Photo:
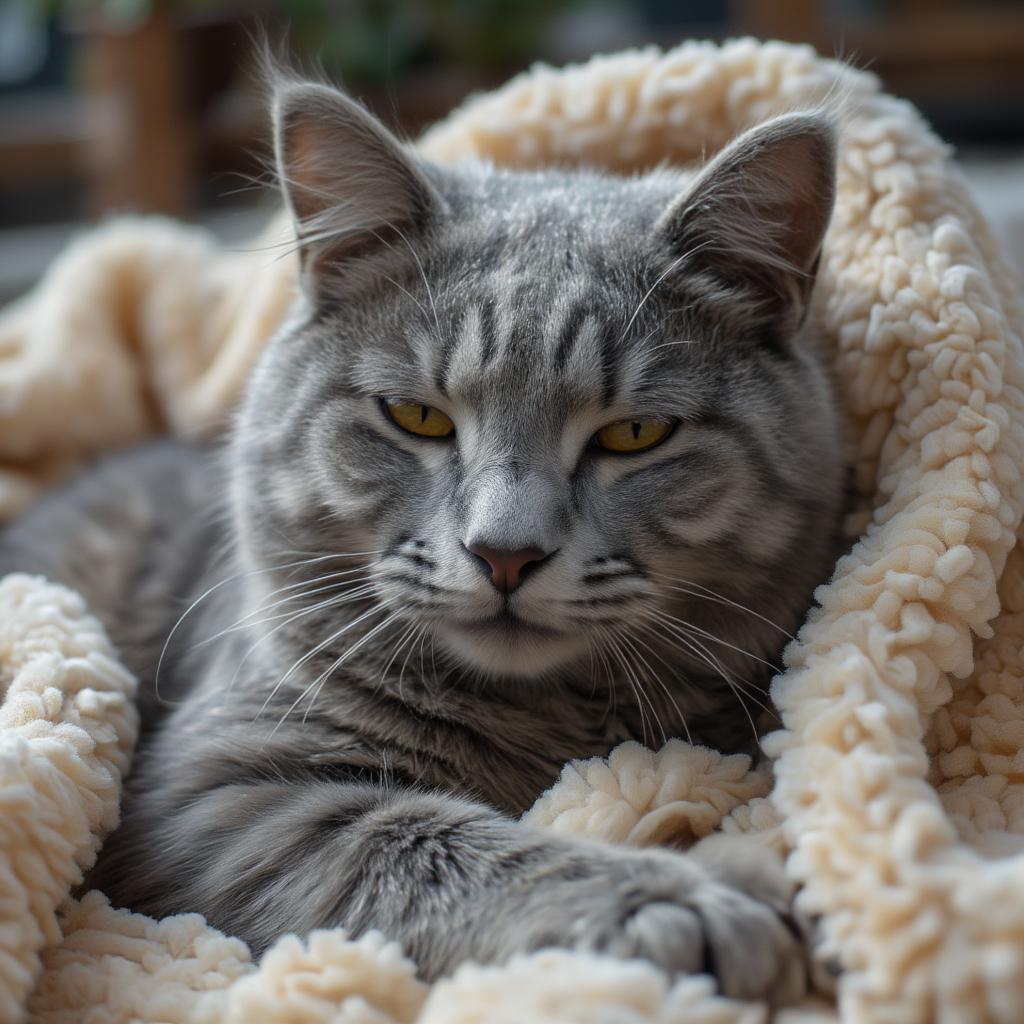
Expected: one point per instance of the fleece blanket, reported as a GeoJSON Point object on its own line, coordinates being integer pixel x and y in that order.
{"type": "Point", "coordinates": [898, 788]}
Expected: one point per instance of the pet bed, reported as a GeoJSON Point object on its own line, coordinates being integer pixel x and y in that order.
{"type": "Point", "coordinates": [899, 774]}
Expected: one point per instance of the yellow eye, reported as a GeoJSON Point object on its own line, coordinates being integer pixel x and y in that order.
{"type": "Point", "coordinates": [423, 420]}
{"type": "Point", "coordinates": [632, 435]}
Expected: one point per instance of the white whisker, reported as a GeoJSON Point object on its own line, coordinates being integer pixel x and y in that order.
{"type": "Point", "coordinates": [664, 686]}
{"type": "Point", "coordinates": [710, 595]}
{"type": "Point", "coordinates": [312, 654]}
{"type": "Point", "coordinates": [362, 587]}
{"type": "Point", "coordinates": [341, 661]}
{"type": "Point", "coordinates": [337, 602]}
{"type": "Point", "coordinates": [661, 277]}
{"type": "Point", "coordinates": [398, 649]}
{"type": "Point", "coordinates": [202, 597]}
{"type": "Point", "coordinates": [412, 646]}
{"type": "Point", "coordinates": [702, 652]}
{"type": "Point", "coordinates": [691, 628]}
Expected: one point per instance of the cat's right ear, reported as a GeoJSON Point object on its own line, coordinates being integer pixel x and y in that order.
{"type": "Point", "coordinates": [352, 188]}
{"type": "Point", "coordinates": [757, 215]}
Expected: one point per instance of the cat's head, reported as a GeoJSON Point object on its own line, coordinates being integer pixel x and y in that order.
{"type": "Point", "coordinates": [567, 413]}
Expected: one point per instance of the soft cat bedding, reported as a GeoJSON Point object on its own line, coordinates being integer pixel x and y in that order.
{"type": "Point", "coordinates": [896, 775]}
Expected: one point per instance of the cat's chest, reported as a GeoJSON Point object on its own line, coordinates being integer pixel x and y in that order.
{"type": "Point", "coordinates": [506, 753]}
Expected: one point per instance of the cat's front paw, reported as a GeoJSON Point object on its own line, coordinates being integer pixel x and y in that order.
{"type": "Point", "coordinates": [724, 913]}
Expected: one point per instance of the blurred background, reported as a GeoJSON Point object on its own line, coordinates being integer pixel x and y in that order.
{"type": "Point", "coordinates": [151, 106]}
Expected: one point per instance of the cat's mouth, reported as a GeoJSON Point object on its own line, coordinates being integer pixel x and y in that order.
{"type": "Point", "coordinates": [509, 622]}
{"type": "Point", "coordinates": [509, 644]}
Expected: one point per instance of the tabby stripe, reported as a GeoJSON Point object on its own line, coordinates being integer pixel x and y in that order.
{"type": "Point", "coordinates": [701, 503]}
{"type": "Point", "coordinates": [488, 336]}
{"type": "Point", "coordinates": [401, 577]}
{"type": "Point", "coordinates": [753, 446]}
{"type": "Point", "coordinates": [420, 560]}
{"type": "Point", "coordinates": [570, 334]}
{"type": "Point", "coordinates": [361, 432]}
{"type": "Point", "coordinates": [593, 602]}
{"type": "Point", "coordinates": [609, 366]}
{"type": "Point", "coordinates": [444, 359]}
{"type": "Point", "coordinates": [601, 577]}
{"type": "Point", "coordinates": [696, 460]}
{"type": "Point", "coordinates": [518, 335]}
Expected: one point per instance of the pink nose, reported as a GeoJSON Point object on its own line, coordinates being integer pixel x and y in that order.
{"type": "Point", "coordinates": [508, 569]}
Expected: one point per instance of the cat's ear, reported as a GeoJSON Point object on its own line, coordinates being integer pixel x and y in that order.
{"type": "Point", "coordinates": [757, 214]}
{"type": "Point", "coordinates": [352, 188]}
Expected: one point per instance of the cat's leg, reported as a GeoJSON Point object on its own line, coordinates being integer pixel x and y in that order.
{"type": "Point", "coordinates": [452, 881]}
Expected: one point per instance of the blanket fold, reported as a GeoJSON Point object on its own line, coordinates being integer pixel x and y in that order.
{"type": "Point", "coordinates": [898, 785]}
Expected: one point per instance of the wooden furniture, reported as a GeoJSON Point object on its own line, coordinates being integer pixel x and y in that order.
{"type": "Point", "coordinates": [139, 150]}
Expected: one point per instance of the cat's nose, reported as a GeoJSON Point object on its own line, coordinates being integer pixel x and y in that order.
{"type": "Point", "coordinates": [508, 569]}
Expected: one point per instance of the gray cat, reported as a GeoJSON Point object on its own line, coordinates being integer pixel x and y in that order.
{"type": "Point", "coordinates": [541, 462]}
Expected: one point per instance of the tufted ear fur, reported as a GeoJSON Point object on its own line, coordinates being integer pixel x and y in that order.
{"type": "Point", "coordinates": [352, 188]}
{"type": "Point", "coordinates": [757, 214]}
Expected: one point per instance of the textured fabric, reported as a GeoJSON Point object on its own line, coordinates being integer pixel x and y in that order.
{"type": "Point", "coordinates": [898, 772]}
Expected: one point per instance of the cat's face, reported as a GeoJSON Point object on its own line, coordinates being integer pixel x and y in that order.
{"type": "Point", "coordinates": [560, 409]}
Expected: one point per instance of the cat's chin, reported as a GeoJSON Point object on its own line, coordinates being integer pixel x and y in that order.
{"type": "Point", "coordinates": [520, 650]}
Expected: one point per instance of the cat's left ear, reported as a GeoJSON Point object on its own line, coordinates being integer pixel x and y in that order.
{"type": "Point", "coordinates": [353, 189]}
{"type": "Point", "coordinates": [757, 214]}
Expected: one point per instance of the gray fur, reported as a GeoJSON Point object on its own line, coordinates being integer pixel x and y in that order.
{"type": "Point", "coordinates": [354, 720]}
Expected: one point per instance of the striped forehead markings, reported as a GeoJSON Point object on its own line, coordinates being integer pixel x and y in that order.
{"type": "Point", "coordinates": [447, 345]}
{"type": "Point", "coordinates": [475, 336]}
{"type": "Point", "coordinates": [569, 335]}
{"type": "Point", "coordinates": [487, 332]}
{"type": "Point", "coordinates": [460, 335]}
{"type": "Point", "coordinates": [609, 348]}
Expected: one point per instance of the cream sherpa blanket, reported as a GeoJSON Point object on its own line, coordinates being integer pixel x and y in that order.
{"type": "Point", "coordinates": [899, 776]}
